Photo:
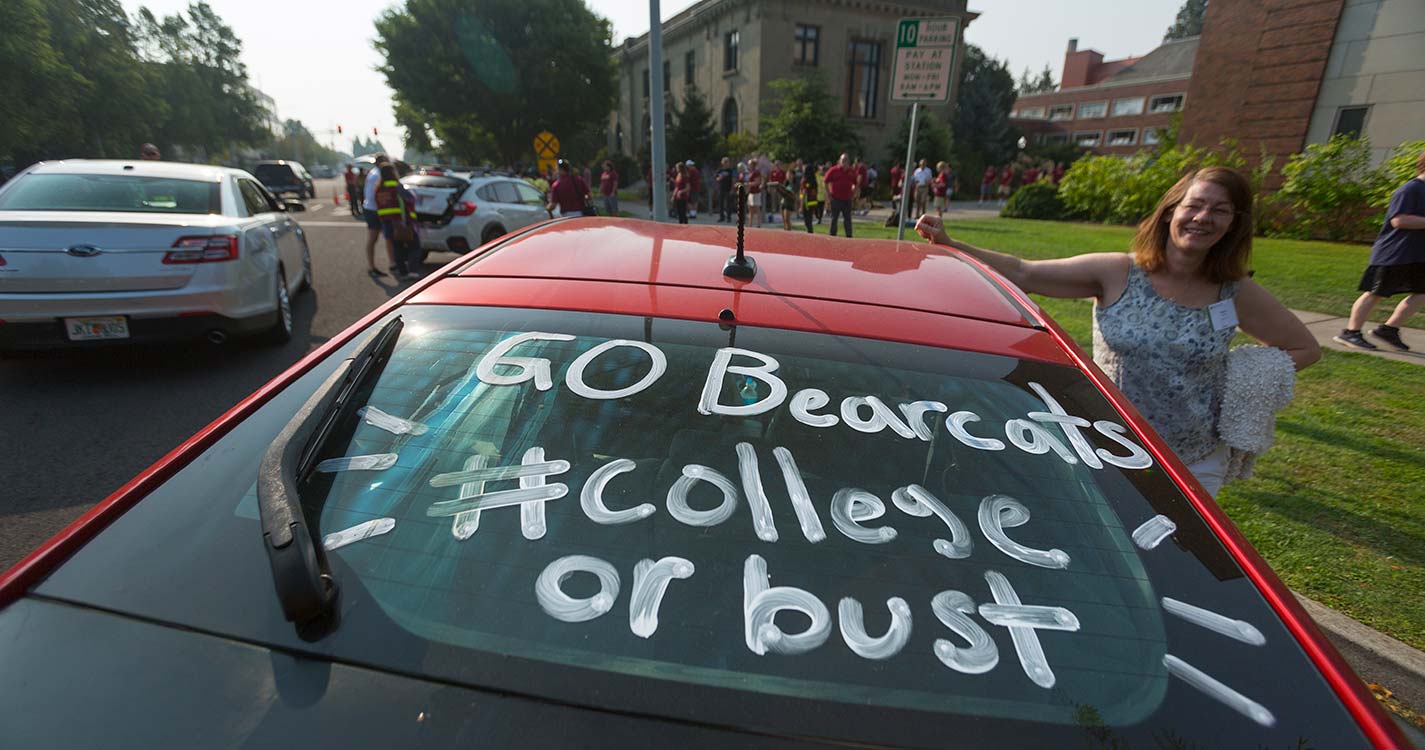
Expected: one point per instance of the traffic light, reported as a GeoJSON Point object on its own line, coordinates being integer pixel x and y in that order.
{"type": "Point", "coordinates": [338, 130]}
{"type": "Point", "coordinates": [373, 131]}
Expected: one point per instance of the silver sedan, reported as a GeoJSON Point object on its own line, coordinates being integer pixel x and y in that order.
{"type": "Point", "coordinates": [110, 251]}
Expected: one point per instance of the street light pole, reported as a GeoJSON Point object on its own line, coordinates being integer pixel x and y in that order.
{"type": "Point", "coordinates": [655, 101]}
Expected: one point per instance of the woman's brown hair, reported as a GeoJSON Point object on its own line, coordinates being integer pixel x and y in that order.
{"type": "Point", "coordinates": [1228, 259]}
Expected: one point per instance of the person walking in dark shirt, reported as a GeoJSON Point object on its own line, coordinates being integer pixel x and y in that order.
{"type": "Point", "coordinates": [724, 178]}
{"type": "Point", "coordinates": [1397, 266]}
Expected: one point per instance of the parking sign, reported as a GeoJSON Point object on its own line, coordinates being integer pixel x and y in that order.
{"type": "Point", "coordinates": [925, 57]}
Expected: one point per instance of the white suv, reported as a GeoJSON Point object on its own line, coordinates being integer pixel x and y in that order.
{"type": "Point", "coordinates": [457, 213]}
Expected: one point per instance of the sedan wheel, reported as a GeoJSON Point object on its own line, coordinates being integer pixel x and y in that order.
{"type": "Point", "coordinates": [281, 330]}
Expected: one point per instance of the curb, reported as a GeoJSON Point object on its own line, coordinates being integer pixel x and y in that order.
{"type": "Point", "coordinates": [1375, 656]}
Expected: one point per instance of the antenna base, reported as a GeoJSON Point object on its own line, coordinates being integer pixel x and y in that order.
{"type": "Point", "coordinates": [740, 268]}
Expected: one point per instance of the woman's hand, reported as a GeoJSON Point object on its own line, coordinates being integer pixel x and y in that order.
{"type": "Point", "coordinates": [932, 228]}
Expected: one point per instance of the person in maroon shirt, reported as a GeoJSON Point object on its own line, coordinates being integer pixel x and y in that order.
{"type": "Point", "coordinates": [608, 188]}
{"type": "Point", "coordinates": [695, 188]}
{"type": "Point", "coordinates": [682, 189]}
{"type": "Point", "coordinates": [781, 198]}
{"type": "Point", "coordinates": [1031, 175]}
{"type": "Point", "coordinates": [896, 177]}
{"type": "Point", "coordinates": [841, 187]}
{"type": "Point", "coordinates": [1058, 173]}
{"type": "Point", "coordinates": [987, 184]}
{"type": "Point", "coordinates": [569, 193]}
{"type": "Point", "coordinates": [863, 196]}
{"type": "Point", "coordinates": [1006, 178]}
{"type": "Point", "coordinates": [754, 197]}
{"type": "Point", "coordinates": [940, 187]}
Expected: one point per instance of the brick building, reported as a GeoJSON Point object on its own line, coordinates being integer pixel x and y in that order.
{"type": "Point", "coordinates": [1281, 74]}
{"type": "Point", "coordinates": [730, 50]}
{"type": "Point", "coordinates": [1110, 106]}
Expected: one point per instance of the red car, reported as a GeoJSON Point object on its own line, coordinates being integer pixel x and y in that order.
{"type": "Point", "coordinates": [583, 488]}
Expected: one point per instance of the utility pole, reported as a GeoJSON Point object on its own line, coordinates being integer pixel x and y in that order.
{"type": "Point", "coordinates": [655, 101]}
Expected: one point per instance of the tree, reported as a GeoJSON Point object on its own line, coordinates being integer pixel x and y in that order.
{"type": "Point", "coordinates": [983, 134]}
{"type": "Point", "coordinates": [1042, 84]}
{"type": "Point", "coordinates": [1189, 20]}
{"type": "Point", "coordinates": [806, 123]}
{"type": "Point", "coordinates": [932, 140]}
{"type": "Point", "coordinates": [693, 135]}
{"type": "Point", "coordinates": [493, 74]}
{"type": "Point", "coordinates": [297, 142]}
{"type": "Point", "coordinates": [196, 69]}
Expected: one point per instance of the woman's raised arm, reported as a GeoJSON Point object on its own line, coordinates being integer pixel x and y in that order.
{"type": "Point", "coordinates": [1088, 275]}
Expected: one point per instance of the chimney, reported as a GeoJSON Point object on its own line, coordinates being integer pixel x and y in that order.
{"type": "Point", "coordinates": [1073, 45]}
{"type": "Point", "coordinates": [1079, 65]}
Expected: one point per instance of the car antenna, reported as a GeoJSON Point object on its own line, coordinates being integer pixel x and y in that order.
{"type": "Point", "coordinates": [740, 266]}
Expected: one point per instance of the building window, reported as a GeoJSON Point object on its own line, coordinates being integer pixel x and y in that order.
{"type": "Point", "coordinates": [729, 116]}
{"type": "Point", "coordinates": [1350, 121]}
{"type": "Point", "coordinates": [1030, 113]}
{"type": "Point", "coordinates": [1087, 139]}
{"type": "Point", "coordinates": [645, 83]}
{"type": "Point", "coordinates": [1052, 138]}
{"type": "Point", "coordinates": [863, 82]}
{"type": "Point", "coordinates": [1092, 110]}
{"type": "Point", "coordinates": [1061, 112]}
{"type": "Point", "coordinates": [1151, 136]}
{"type": "Point", "coordinates": [1125, 107]}
{"type": "Point", "coordinates": [688, 68]}
{"type": "Point", "coordinates": [1122, 137]}
{"type": "Point", "coordinates": [806, 46]}
{"type": "Point", "coordinates": [1165, 103]}
{"type": "Point", "coordinates": [729, 50]}
{"type": "Point", "coordinates": [667, 74]}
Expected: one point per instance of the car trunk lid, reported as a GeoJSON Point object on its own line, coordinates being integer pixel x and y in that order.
{"type": "Point", "coordinates": [50, 252]}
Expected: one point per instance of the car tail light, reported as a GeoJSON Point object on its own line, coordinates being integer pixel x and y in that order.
{"type": "Point", "coordinates": [2, 260]}
{"type": "Point", "coordinates": [463, 208]}
{"type": "Point", "coordinates": [205, 249]}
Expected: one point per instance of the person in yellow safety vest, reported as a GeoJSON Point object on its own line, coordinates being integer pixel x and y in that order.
{"type": "Point", "coordinates": [396, 209]}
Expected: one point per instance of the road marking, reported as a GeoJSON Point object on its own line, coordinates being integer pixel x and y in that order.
{"type": "Point", "coordinates": [317, 207]}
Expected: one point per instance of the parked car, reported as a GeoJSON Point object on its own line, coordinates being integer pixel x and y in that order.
{"type": "Point", "coordinates": [283, 177]}
{"type": "Point", "coordinates": [98, 252]}
{"type": "Point", "coordinates": [585, 487]}
{"type": "Point", "coordinates": [461, 212]}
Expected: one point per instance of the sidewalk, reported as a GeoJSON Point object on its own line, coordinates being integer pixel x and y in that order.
{"type": "Point", "coordinates": [1324, 326]}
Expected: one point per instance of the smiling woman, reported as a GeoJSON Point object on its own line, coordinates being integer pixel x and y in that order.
{"type": "Point", "coordinates": [1165, 313]}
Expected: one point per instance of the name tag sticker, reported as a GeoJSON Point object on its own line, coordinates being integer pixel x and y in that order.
{"type": "Point", "coordinates": [1223, 314]}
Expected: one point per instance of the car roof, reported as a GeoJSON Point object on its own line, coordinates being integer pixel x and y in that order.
{"type": "Point", "coordinates": [177, 170]}
{"type": "Point", "coordinates": [884, 274]}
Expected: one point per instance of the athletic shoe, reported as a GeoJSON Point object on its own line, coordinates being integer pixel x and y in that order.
{"type": "Point", "coordinates": [1390, 335]}
{"type": "Point", "coordinates": [375, 273]}
{"type": "Point", "coordinates": [1354, 339]}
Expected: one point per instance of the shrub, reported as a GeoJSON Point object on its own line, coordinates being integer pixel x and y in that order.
{"type": "Point", "coordinates": [1037, 201]}
{"type": "Point", "coordinates": [1327, 190]}
{"type": "Point", "coordinates": [1395, 170]}
{"type": "Point", "coordinates": [1125, 191]}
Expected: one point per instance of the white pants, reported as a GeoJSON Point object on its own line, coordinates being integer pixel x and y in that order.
{"type": "Point", "coordinates": [1211, 469]}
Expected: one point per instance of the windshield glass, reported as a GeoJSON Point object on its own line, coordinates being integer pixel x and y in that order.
{"type": "Point", "coordinates": [802, 533]}
{"type": "Point", "coordinates": [111, 192]}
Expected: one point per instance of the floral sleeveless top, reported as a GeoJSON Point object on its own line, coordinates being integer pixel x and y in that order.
{"type": "Point", "coordinates": [1168, 361]}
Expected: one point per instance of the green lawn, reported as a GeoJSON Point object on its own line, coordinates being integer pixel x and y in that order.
{"type": "Point", "coordinates": [1317, 276]}
{"type": "Point", "coordinates": [1337, 506]}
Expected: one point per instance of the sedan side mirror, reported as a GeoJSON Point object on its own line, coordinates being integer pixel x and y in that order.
{"type": "Point", "coordinates": [293, 206]}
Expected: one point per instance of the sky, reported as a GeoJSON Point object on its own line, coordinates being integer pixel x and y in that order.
{"type": "Point", "coordinates": [316, 60]}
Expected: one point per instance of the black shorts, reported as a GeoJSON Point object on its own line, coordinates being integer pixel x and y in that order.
{"type": "Point", "coordinates": [1388, 281]}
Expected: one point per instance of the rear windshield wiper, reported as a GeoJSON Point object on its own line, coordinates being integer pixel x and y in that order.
{"type": "Point", "coordinates": [300, 574]}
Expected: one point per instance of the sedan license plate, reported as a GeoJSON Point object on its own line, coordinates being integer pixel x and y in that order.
{"type": "Point", "coordinates": [90, 329]}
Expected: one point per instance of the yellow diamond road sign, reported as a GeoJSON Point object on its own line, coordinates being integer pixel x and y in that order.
{"type": "Point", "coordinates": [925, 57]}
{"type": "Point", "coordinates": [546, 146]}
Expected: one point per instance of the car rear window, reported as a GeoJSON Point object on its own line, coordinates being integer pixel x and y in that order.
{"type": "Point", "coordinates": [798, 533]}
{"type": "Point", "coordinates": [433, 181]}
{"type": "Point", "coordinates": [111, 192]}
{"type": "Point", "coordinates": [275, 174]}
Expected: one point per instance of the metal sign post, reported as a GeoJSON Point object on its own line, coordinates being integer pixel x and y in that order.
{"type": "Point", "coordinates": [657, 171]}
{"type": "Point", "coordinates": [925, 60]}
